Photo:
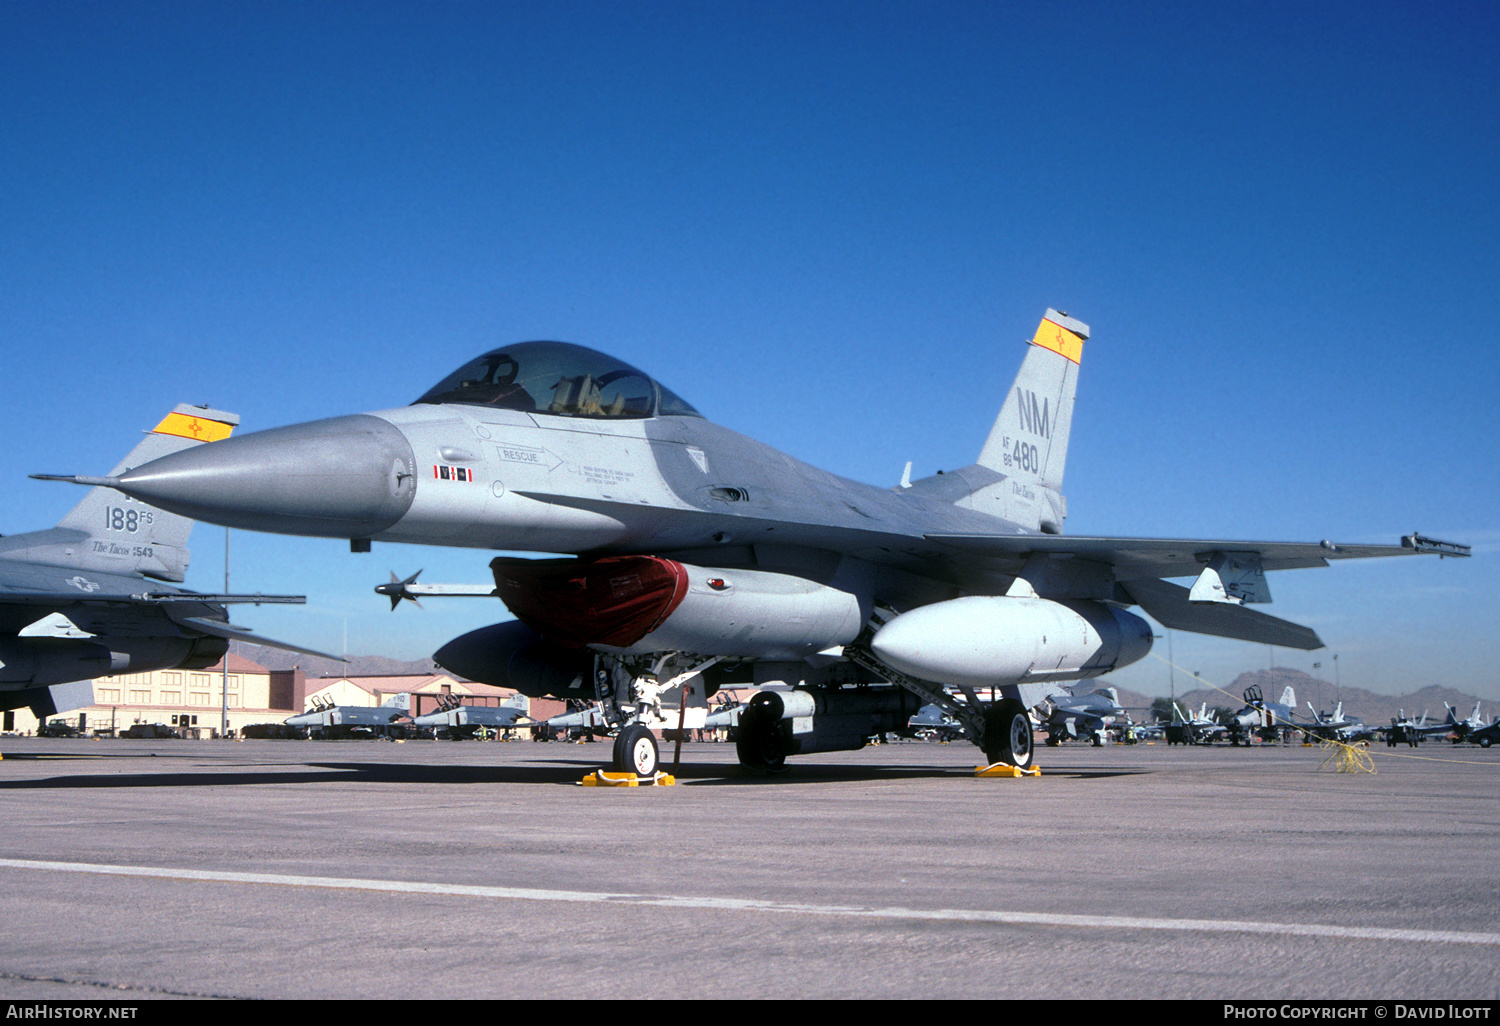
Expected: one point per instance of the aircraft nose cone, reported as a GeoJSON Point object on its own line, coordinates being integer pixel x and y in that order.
{"type": "Point", "coordinates": [347, 477]}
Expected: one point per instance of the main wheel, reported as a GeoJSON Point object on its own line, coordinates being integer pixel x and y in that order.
{"type": "Point", "coordinates": [1007, 734]}
{"type": "Point", "coordinates": [636, 752]}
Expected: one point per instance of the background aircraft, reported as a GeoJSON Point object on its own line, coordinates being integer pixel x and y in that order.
{"type": "Point", "coordinates": [932, 721]}
{"type": "Point", "coordinates": [1337, 726]}
{"type": "Point", "coordinates": [330, 720]}
{"type": "Point", "coordinates": [461, 720]}
{"type": "Point", "coordinates": [702, 558]}
{"type": "Point", "coordinates": [1268, 720]}
{"type": "Point", "coordinates": [1463, 728]}
{"type": "Point", "coordinates": [1194, 730]}
{"type": "Point", "coordinates": [85, 599]}
{"type": "Point", "coordinates": [1414, 732]}
{"type": "Point", "coordinates": [1087, 715]}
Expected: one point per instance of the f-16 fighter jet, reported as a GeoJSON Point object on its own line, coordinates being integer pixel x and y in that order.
{"type": "Point", "coordinates": [85, 599]}
{"type": "Point", "coordinates": [1088, 715]}
{"type": "Point", "coordinates": [701, 558]}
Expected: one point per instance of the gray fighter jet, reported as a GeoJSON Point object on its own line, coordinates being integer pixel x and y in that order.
{"type": "Point", "coordinates": [1199, 729]}
{"type": "Point", "coordinates": [701, 558]}
{"type": "Point", "coordinates": [328, 719]}
{"type": "Point", "coordinates": [1085, 715]}
{"type": "Point", "coordinates": [1336, 726]}
{"type": "Point", "coordinates": [85, 599]}
{"type": "Point", "coordinates": [460, 721]}
{"type": "Point", "coordinates": [1463, 728]}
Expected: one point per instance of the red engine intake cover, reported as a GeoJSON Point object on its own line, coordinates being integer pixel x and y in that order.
{"type": "Point", "coordinates": [613, 601]}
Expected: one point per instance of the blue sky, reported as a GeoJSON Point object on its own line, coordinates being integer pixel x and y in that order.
{"type": "Point", "coordinates": [827, 225]}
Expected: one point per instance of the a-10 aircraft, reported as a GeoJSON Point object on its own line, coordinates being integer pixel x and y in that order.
{"type": "Point", "coordinates": [700, 558]}
{"type": "Point", "coordinates": [89, 597]}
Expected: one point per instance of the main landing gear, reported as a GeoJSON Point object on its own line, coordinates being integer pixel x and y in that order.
{"type": "Point", "coordinates": [1007, 734]}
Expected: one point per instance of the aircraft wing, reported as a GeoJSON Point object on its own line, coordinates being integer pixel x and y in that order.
{"type": "Point", "coordinates": [1141, 558]}
{"type": "Point", "coordinates": [149, 598]}
{"type": "Point", "coordinates": [228, 631]}
{"type": "Point", "coordinates": [1140, 564]}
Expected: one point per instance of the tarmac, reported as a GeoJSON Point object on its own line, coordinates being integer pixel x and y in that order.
{"type": "Point", "coordinates": [139, 870]}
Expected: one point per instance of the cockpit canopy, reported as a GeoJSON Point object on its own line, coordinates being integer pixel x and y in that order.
{"type": "Point", "coordinates": [560, 379]}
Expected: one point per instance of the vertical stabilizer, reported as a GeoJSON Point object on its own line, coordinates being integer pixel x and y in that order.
{"type": "Point", "coordinates": [1029, 442]}
{"type": "Point", "coordinates": [128, 536]}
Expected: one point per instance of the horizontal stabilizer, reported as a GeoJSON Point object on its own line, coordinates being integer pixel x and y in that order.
{"type": "Point", "coordinates": [220, 629]}
{"type": "Point", "coordinates": [1168, 604]}
{"type": "Point", "coordinates": [51, 701]}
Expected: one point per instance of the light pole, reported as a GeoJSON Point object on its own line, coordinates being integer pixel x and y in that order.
{"type": "Point", "coordinates": [1171, 668]}
{"type": "Point", "coordinates": [224, 690]}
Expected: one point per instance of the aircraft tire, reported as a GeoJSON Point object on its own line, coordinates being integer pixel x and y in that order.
{"type": "Point", "coordinates": [636, 751]}
{"type": "Point", "coordinates": [1007, 734]}
{"type": "Point", "coordinates": [758, 741]}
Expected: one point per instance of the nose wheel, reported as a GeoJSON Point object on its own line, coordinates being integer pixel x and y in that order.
{"type": "Point", "coordinates": [636, 751]}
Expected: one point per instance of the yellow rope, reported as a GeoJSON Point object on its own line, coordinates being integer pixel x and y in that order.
{"type": "Point", "coordinates": [1343, 758]}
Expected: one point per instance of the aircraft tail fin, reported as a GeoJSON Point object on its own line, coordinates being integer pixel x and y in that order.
{"type": "Point", "coordinates": [1029, 441]}
{"type": "Point", "coordinates": [1030, 438]}
{"type": "Point", "coordinates": [126, 535]}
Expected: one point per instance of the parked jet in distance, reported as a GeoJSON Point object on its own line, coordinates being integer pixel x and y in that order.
{"type": "Point", "coordinates": [1463, 728]}
{"type": "Point", "coordinates": [1200, 729]}
{"type": "Point", "coordinates": [701, 558]}
{"type": "Point", "coordinates": [1267, 720]}
{"type": "Point", "coordinates": [1337, 727]}
{"type": "Point", "coordinates": [328, 719]}
{"type": "Point", "coordinates": [1087, 715]}
{"type": "Point", "coordinates": [935, 723]}
{"type": "Point", "coordinates": [85, 599]}
{"type": "Point", "coordinates": [1414, 732]}
{"type": "Point", "coordinates": [461, 720]}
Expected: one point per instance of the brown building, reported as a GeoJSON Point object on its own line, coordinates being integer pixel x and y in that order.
{"type": "Point", "coordinates": [193, 700]}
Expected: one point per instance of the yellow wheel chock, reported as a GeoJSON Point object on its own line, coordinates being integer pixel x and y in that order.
{"type": "Point", "coordinates": [604, 778]}
{"type": "Point", "coordinates": [1005, 769]}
